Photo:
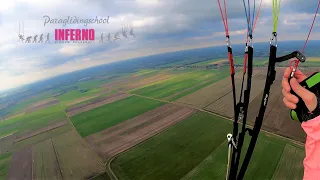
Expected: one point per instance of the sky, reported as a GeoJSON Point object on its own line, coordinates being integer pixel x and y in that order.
{"type": "Point", "coordinates": [159, 26]}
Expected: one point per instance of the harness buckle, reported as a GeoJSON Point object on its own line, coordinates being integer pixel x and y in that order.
{"type": "Point", "coordinates": [274, 39]}
{"type": "Point", "coordinates": [231, 141]}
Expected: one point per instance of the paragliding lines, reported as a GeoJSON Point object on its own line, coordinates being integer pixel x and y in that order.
{"type": "Point", "coordinates": [242, 106]}
{"type": "Point", "coordinates": [294, 63]}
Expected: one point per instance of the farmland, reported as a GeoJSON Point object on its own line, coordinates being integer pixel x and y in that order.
{"type": "Point", "coordinates": [62, 157]}
{"type": "Point", "coordinates": [187, 143]}
{"type": "Point", "coordinates": [238, 60]}
{"type": "Point", "coordinates": [5, 160]}
{"type": "Point", "coordinates": [123, 136]}
{"type": "Point", "coordinates": [216, 92]}
{"type": "Point", "coordinates": [76, 160]}
{"type": "Point", "coordinates": [32, 121]}
{"type": "Point", "coordinates": [96, 102]}
{"type": "Point", "coordinates": [192, 157]}
{"type": "Point", "coordinates": [223, 104]}
{"type": "Point", "coordinates": [189, 81]}
{"type": "Point", "coordinates": [109, 115]}
{"type": "Point", "coordinates": [150, 120]}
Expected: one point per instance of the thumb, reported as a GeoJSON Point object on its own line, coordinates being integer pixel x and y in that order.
{"type": "Point", "coordinates": [308, 97]}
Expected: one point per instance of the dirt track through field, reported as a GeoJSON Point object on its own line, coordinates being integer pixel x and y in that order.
{"type": "Point", "coordinates": [96, 103]}
{"type": "Point", "coordinates": [42, 130]}
{"type": "Point", "coordinates": [21, 165]}
{"type": "Point", "coordinates": [131, 132]}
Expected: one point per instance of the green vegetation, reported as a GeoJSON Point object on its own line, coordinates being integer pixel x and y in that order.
{"type": "Point", "coordinates": [76, 94]}
{"type": "Point", "coordinates": [100, 118]}
{"type": "Point", "coordinates": [175, 152]}
{"type": "Point", "coordinates": [238, 60]}
{"type": "Point", "coordinates": [291, 163]}
{"type": "Point", "coordinates": [5, 160]}
{"type": "Point", "coordinates": [196, 148]}
{"type": "Point", "coordinates": [264, 161]}
{"type": "Point", "coordinates": [92, 84]}
{"type": "Point", "coordinates": [32, 121]}
{"type": "Point", "coordinates": [91, 99]}
{"type": "Point", "coordinates": [218, 76]}
{"type": "Point", "coordinates": [181, 80]}
{"type": "Point", "coordinates": [20, 107]}
{"type": "Point", "coordinates": [146, 72]}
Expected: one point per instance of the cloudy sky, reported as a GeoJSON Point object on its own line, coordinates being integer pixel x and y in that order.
{"type": "Point", "coordinates": [159, 26]}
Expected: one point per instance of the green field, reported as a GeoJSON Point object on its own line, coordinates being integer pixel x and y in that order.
{"type": "Point", "coordinates": [238, 60]}
{"type": "Point", "coordinates": [5, 160]}
{"type": "Point", "coordinates": [29, 122]}
{"type": "Point", "coordinates": [100, 118]}
{"type": "Point", "coordinates": [76, 94]}
{"type": "Point", "coordinates": [187, 80]}
{"type": "Point", "coordinates": [20, 107]}
{"type": "Point", "coordinates": [90, 99]}
{"type": "Point", "coordinates": [196, 149]}
{"type": "Point", "coordinates": [174, 153]}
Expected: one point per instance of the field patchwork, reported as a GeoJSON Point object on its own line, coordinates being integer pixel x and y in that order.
{"type": "Point", "coordinates": [181, 84]}
{"type": "Point", "coordinates": [108, 115]}
{"type": "Point", "coordinates": [196, 148]}
{"type": "Point", "coordinates": [222, 105]}
{"type": "Point", "coordinates": [65, 156]}
{"type": "Point", "coordinates": [276, 118]}
{"type": "Point", "coordinates": [173, 153]}
{"type": "Point", "coordinates": [42, 104]}
{"type": "Point", "coordinates": [77, 109]}
{"type": "Point", "coordinates": [125, 135]}
{"type": "Point", "coordinates": [76, 160]}
{"type": "Point", "coordinates": [21, 164]}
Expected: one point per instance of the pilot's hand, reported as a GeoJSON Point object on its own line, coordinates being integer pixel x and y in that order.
{"type": "Point", "coordinates": [291, 100]}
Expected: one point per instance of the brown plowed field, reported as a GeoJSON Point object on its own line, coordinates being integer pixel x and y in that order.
{"type": "Point", "coordinates": [224, 105]}
{"type": "Point", "coordinates": [213, 92]}
{"type": "Point", "coordinates": [96, 103]}
{"type": "Point", "coordinates": [21, 165]}
{"type": "Point", "coordinates": [45, 163]}
{"type": "Point", "coordinates": [41, 105]}
{"type": "Point", "coordinates": [42, 130]}
{"type": "Point", "coordinates": [123, 136]}
{"type": "Point", "coordinates": [76, 160]}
